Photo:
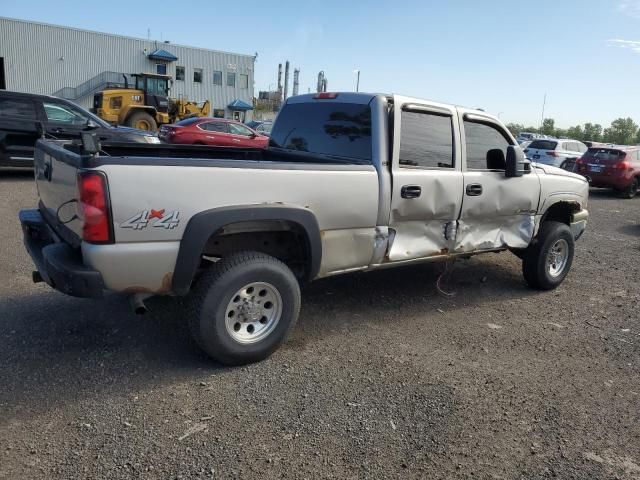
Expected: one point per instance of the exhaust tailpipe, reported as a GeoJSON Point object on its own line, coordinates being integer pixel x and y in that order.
{"type": "Point", "coordinates": [137, 303]}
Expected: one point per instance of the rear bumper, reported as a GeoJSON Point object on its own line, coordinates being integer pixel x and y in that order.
{"type": "Point", "coordinates": [579, 223]}
{"type": "Point", "coordinates": [57, 263]}
{"type": "Point", "coordinates": [20, 162]}
{"type": "Point", "coordinates": [618, 183]}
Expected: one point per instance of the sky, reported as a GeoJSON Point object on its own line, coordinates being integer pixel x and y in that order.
{"type": "Point", "coordinates": [502, 56]}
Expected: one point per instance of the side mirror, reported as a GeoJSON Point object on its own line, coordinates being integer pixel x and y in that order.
{"type": "Point", "coordinates": [253, 135]}
{"type": "Point", "coordinates": [91, 125]}
{"type": "Point", "coordinates": [90, 143]}
{"type": "Point", "coordinates": [516, 163]}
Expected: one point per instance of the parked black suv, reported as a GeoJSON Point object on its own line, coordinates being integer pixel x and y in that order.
{"type": "Point", "coordinates": [61, 119]}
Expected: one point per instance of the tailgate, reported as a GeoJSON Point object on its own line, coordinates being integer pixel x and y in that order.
{"type": "Point", "coordinates": [56, 170]}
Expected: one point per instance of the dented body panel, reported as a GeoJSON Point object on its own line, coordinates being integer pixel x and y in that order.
{"type": "Point", "coordinates": [363, 215]}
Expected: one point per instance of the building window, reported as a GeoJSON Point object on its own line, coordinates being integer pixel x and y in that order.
{"type": "Point", "coordinates": [218, 112]}
{"type": "Point", "coordinates": [180, 73]}
{"type": "Point", "coordinates": [244, 81]}
{"type": "Point", "coordinates": [197, 75]}
{"type": "Point", "coordinates": [161, 68]}
{"type": "Point", "coordinates": [217, 77]}
{"type": "Point", "coordinates": [231, 79]}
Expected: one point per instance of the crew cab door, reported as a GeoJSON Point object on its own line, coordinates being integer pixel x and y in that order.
{"type": "Point", "coordinates": [497, 211]}
{"type": "Point", "coordinates": [427, 179]}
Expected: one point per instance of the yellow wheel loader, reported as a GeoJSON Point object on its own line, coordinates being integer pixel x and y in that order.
{"type": "Point", "coordinates": [146, 105]}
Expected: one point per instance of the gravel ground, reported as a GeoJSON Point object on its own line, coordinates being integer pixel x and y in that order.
{"type": "Point", "coordinates": [382, 378]}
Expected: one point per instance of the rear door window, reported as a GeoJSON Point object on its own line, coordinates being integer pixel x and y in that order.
{"type": "Point", "coordinates": [331, 129]}
{"type": "Point", "coordinates": [17, 107]}
{"type": "Point", "coordinates": [426, 140]}
{"type": "Point", "coordinates": [220, 127]}
{"type": "Point", "coordinates": [482, 140]}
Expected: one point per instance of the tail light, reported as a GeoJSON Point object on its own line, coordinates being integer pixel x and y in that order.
{"type": "Point", "coordinates": [95, 207]}
{"type": "Point", "coordinates": [552, 153]}
{"type": "Point", "coordinates": [624, 165]}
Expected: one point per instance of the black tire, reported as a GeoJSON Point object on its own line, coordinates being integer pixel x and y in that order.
{"type": "Point", "coordinates": [137, 118]}
{"type": "Point", "coordinates": [631, 190]}
{"type": "Point", "coordinates": [213, 293]}
{"type": "Point", "coordinates": [535, 269]}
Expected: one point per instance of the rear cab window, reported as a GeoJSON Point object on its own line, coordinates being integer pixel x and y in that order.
{"type": "Point", "coordinates": [606, 154]}
{"type": "Point", "coordinates": [543, 145]}
{"type": "Point", "coordinates": [188, 121]}
{"type": "Point", "coordinates": [321, 132]}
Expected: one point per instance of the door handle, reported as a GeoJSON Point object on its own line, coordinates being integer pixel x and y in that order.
{"type": "Point", "coordinates": [411, 191]}
{"type": "Point", "coordinates": [474, 189]}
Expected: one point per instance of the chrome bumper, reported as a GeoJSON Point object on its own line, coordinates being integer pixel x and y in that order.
{"type": "Point", "coordinates": [579, 223]}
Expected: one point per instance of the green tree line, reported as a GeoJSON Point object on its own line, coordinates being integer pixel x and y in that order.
{"type": "Point", "coordinates": [622, 131]}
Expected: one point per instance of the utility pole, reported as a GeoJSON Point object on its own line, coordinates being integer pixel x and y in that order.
{"type": "Point", "coordinates": [358, 80]}
{"type": "Point", "coordinates": [544, 104]}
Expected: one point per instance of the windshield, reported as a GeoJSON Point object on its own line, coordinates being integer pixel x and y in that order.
{"type": "Point", "coordinates": [332, 129]}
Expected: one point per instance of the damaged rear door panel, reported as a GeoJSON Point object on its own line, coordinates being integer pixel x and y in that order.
{"type": "Point", "coordinates": [427, 180]}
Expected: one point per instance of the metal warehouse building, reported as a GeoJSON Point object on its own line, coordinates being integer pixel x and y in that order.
{"type": "Point", "coordinates": [75, 64]}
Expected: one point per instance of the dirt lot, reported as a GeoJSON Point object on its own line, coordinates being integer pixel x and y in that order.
{"type": "Point", "coordinates": [383, 377]}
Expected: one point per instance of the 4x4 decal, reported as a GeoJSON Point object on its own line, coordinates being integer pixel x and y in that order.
{"type": "Point", "coordinates": [141, 220]}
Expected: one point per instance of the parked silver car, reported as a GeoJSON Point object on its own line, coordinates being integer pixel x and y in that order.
{"type": "Point", "coordinates": [555, 152]}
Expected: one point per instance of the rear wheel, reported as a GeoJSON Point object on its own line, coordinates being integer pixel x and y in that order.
{"type": "Point", "coordinates": [547, 261]}
{"type": "Point", "coordinates": [631, 190]}
{"type": "Point", "coordinates": [142, 121]}
{"type": "Point", "coordinates": [243, 307]}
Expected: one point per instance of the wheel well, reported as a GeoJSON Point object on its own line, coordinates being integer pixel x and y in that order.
{"type": "Point", "coordinates": [561, 212]}
{"type": "Point", "coordinates": [287, 241]}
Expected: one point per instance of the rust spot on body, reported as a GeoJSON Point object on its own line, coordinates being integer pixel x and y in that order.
{"type": "Point", "coordinates": [164, 288]}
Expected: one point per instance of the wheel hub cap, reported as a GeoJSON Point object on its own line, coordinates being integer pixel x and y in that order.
{"type": "Point", "coordinates": [253, 312]}
{"type": "Point", "coordinates": [557, 257]}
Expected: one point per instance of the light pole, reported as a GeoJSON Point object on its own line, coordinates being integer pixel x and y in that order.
{"type": "Point", "coordinates": [357, 80]}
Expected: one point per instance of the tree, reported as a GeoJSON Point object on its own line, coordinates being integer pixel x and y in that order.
{"type": "Point", "coordinates": [576, 133]}
{"type": "Point", "coordinates": [593, 132]}
{"type": "Point", "coordinates": [549, 126]}
{"type": "Point", "coordinates": [515, 128]}
{"type": "Point", "coordinates": [560, 133]}
{"type": "Point", "coordinates": [623, 131]}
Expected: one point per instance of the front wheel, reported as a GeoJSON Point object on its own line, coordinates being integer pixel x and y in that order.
{"type": "Point", "coordinates": [548, 259]}
{"type": "Point", "coordinates": [142, 121]}
{"type": "Point", "coordinates": [243, 307]}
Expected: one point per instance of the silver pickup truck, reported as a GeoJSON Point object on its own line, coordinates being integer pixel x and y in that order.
{"type": "Point", "coordinates": [350, 182]}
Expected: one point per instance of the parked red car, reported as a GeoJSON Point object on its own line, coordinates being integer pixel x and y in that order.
{"type": "Point", "coordinates": [212, 131]}
{"type": "Point", "coordinates": [616, 167]}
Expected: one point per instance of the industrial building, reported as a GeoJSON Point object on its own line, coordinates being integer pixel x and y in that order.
{"type": "Point", "coordinates": [74, 64]}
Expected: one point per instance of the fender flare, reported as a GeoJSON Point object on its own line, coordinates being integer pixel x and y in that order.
{"type": "Point", "coordinates": [204, 224]}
